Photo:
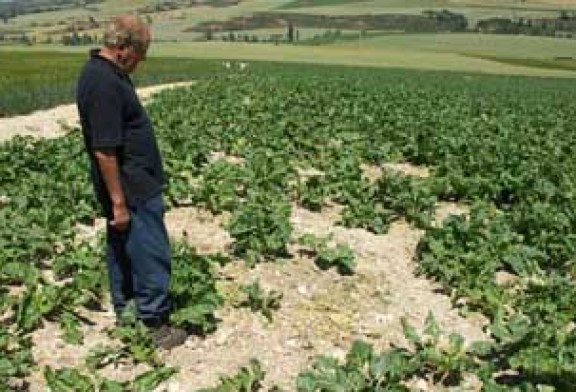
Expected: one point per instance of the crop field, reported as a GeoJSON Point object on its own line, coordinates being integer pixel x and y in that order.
{"type": "Point", "coordinates": [167, 25]}
{"type": "Point", "coordinates": [355, 54]}
{"type": "Point", "coordinates": [33, 78]}
{"type": "Point", "coordinates": [251, 149]}
{"type": "Point", "coordinates": [39, 80]}
{"type": "Point", "coordinates": [510, 46]}
{"type": "Point", "coordinates": [171, 25]}
{"type": "Point", "coordinates": [473, 9]}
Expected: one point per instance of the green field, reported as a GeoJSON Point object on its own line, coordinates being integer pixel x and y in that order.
{"type": "Point", "coordinates": [353, 54]}
{"type": "Point", "coordinates": [47, 78]}
{"type": "Point", "coordinates": [458, 52]}
{"type": "Point", "coordinates": [483, 138]}
{"type": "Point", "coordinates": [473, 9]}
{"type": "Point", "coordinates": [490, 117]}
{"type": "Point", "coordinates": [170, 25]}
{"type": "Point", "coordinates": [513, 46]}
{"type": "Point", "coordinates": [167, 25]}
{"type": "Point", "coordinates": [39, 80]}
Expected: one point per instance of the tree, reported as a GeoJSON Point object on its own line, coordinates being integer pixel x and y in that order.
{"type": "Point", "coordinates": [290, 32]}
{"type": "Point", "coordinates": [92, 22]}
{"type": "Point", "coordinates": [86, 39]}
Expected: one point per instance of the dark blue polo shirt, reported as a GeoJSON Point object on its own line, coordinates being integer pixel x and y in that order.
{"type": "Point", "coordinates": [112, 117]}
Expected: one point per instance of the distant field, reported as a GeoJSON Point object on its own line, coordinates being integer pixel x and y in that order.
{"type": "Point", "coordinates": [472, 9]}
{"type": "Point", "coordinates": [565, 64]}
{"type": "Point", "coordinates": [264, 34]}
{"type": "Point", "coordinates": [167, 25]}
{"type": "Point", "coordinates": [170, 25]}
{"type": "Point", "coordinates": [351, 54]}
{"type": "Point", "coordinates": [308, 3]}
{"type": "Point", "coordinates": [382, 5]}
{"type": "Point", "coordinates": [449, 52]}
{"type": "Point", "coordinates": [494, 54]}
{"type": "Point", "coordinates": [512, 46]}
{"type": "Point", "coordinates": [32, 80]}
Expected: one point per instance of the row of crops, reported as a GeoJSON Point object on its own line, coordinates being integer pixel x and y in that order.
{"type": "Point", "coordinates": [505, 146]}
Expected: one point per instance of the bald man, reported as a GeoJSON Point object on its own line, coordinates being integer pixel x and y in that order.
{"type": "Point", "coordinates": [126, 171]}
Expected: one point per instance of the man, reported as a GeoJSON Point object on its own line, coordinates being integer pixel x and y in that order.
{"type": "Point", "coordinates": [126, 171]}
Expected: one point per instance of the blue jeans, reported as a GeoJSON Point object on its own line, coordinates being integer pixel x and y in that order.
{"type": "Point", "coordinates": [139, 262]}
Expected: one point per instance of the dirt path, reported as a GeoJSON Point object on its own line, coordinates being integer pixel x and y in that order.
{"type": "Point", "coordinates": [321, 311]}
{"type": "Point", "coordinates": [52, 123]}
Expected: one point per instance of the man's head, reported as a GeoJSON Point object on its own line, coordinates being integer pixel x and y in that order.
{"type": "Point", "coordinates": [126, 42]}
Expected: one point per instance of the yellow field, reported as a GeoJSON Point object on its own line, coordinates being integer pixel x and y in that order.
{"type": "Point", "coordinates": [169, 25]}
{"type": "Point", "coordinates": [513, 46]}
{"type": "Point", "coordinates": [451, 52]}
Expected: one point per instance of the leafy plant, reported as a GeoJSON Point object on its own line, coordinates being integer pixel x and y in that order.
{"type": "Point", "coordinates": [261, 227]}
{"type": "Point", "coordinates": [72, 380]}
{"type": "Point", "coordinates": [248, 379]}
{"type": "Point", "coordinates": [366, 370]}
{"type": "Point", "coordinates": [16, 360]}
{"type": "Point", "coordinates": [327, 257]}
{"type": "Point", "coordinates": [193, 288]}
{"type": "Point", "coordinates": [221, 186]}
{"type": "Point", "coordinates": [259, 300]}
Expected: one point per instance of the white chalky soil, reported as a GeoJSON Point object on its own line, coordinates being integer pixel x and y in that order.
{"type": "Point", "coordinates": [321, 311]}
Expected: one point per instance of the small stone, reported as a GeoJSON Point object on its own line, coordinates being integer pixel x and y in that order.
{"type": "Point", "coordinates": [293, 343]}
{"type": "Point", "coordinates": [383, 318]}
{"type": "Point", "coordinates": [222, 337]}
{"type": "Point", "coordinates": [174, 386]}
{"type": "Point", "coordinates": [189, 343]}
{"type": "Point", "coordinates": [504, 278]}
{"type": "Point", "coordinates": [303, 290]}
{"type": "Point", "coordinates": [421, 386]}
{"type": "Point", "coordinates": [338, 353]}
{"type": "Point", "coordinates": [307, 345]}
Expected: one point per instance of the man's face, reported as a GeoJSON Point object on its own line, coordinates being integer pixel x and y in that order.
{"type": "Point", "coordinates": [132, 55]}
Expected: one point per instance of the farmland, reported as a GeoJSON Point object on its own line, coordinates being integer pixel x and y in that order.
{"type": "Point", "coordinates": [252, 149]}
{"type": "Point", "coordinates": [48, 74]}
{"type": "Point", "coordinates": [176, 34]}
{"type": "Point", "coordinates": [39, 80]}
{"type": "Point", "coordinates": [389, 213]}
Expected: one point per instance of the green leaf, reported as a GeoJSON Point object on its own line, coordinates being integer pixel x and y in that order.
{"type": "Point", "coordinates": [149, 380]}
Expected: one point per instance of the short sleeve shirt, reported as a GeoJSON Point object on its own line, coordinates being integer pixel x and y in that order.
{"type": "Point", "coordinates": [113, 118]}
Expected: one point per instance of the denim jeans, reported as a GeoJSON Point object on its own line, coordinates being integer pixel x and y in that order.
{"type": "Point", "coordinates": [138, 262]}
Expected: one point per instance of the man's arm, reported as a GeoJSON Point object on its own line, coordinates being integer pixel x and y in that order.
{"type": "Point", "coordinates": [108, 164]}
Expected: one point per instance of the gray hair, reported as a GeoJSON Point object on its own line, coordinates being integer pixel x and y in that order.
{"type": "Point", "coordinates": [126, 31]}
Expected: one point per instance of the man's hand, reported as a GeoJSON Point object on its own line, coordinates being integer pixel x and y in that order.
{"type": "Point", "coordinates": [108, 164]}
{"type": "Point", "coordinates": [121, 219]}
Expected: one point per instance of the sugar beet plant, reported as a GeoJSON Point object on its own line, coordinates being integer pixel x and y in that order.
{"type": "Point", "coordinates": [48, 273]}
{"type": "Point", "coordinates": [504, 145]}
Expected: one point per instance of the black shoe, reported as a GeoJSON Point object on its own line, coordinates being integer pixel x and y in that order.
{"type": "Point", "coordinates": [167, 337]}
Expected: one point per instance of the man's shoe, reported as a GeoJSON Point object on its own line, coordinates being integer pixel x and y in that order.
{"type": "Point", "coordinates": [168, 337]}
